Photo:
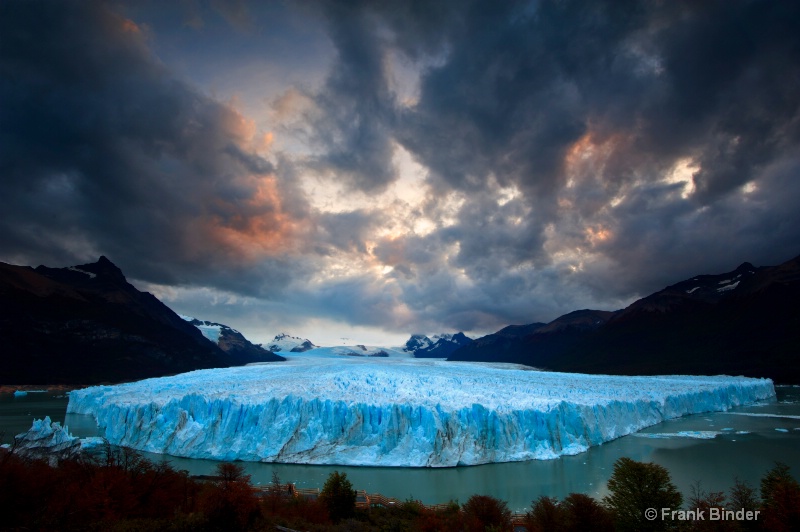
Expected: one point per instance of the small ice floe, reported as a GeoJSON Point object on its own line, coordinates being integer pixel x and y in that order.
{"type": "Point", "coordinates": [93, 444]}
{"type": "Point", "coordinates": [782, 430]}
{"type": "Point", "coordinates": [697, 434]}
{"type": "Point", "coordinates": [751, 414]}
{"type": "Point", "coordinates": [23, 393]}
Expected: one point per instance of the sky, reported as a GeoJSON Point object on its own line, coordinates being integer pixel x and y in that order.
{"type": "Point", "coordinates": [354, 172]}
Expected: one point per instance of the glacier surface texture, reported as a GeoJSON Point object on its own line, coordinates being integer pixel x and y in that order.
{"type": "Point", "coordinates": [394, 412]}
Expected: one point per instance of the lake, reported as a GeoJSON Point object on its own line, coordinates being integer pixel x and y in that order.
{"type": "Point", "coordinates": [714, 448]}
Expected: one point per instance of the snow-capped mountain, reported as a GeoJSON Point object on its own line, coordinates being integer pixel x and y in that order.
{"type": "Point", "coordinates": [292, 344]}
{"type": "Point", "coordinates": [232, 341]}
{"type": "Point", "coordinates": [437, 346]}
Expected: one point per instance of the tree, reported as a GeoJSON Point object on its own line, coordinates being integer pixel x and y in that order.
{"type": "Point", "coordinates": [230, 503]}
{"type": "Point", "coordinates": [743, 497]}
{"type": "Point", "coordinates": [482, 512]}
{"type": "Point", "coordinates": [338, 496]}
{"type": "Point", "coordinates": [704, 501]}
{"type": "Point", "coordinates": [636, 487]}
{"type": "Point", "coordinates": [581, 512]}
{"type": "Point", "coordinates": [780, 496]}
{"type": "Point", "coordinates": [545, 515]}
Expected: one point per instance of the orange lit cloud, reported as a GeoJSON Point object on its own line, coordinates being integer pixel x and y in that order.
{"type": "Point", "coordinates": [589, 155]}
{"type": "Point", "coordinates": [257, 227]}
{"type": "Point", "coordinates": [129, 26]}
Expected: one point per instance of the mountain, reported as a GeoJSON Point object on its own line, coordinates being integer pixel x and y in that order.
{"type": "Point", "coordinates": [548, 341]}
{"type": "Point", "coordinates": [232, 341]}
{"type": "Point", "coordinates": [293, 344]}
{"type": "Point", "coordinates": [743, 322]}
{"type": "Point", "coordinates": [439, 346]}
{"type": "Point", "coordinates": [86, 324]}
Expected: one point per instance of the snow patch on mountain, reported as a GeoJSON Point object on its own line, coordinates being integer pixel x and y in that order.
{"type": "Point", "coordinates": [210, 330]}
{"type": "Point", "coordinates": [76, 269]}
{"type": "Point", "coordinates": [731, 286]}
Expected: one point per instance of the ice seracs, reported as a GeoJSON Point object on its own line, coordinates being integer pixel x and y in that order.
{"type": "Point", "coordinates": [48, 439]}
{"type": "Point", "coordinates": [394, 411]}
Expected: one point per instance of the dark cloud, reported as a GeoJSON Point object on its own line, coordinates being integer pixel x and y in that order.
{"type": "Point", "coordinates": [103, 151]}
{"type": "Point", "coordinates": [355, 108]}
{"type": "Point", "coordinates": [524, 97]}
{"type": "Point", "coordinates": [593, 114]}
{"type": "Point", "coordinates": [575, 154]}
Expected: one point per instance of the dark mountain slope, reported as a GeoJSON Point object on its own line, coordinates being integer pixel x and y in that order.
{"type": "Point", "coordinates": [742, 322]}
{"type": "Point", "coordinates": [536, 344]}
{"type": "Point", "coordinates": [87, 324]}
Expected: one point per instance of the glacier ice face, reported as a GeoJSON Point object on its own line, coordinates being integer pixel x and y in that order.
{"type": "Point", "coordinates": [394, 411]}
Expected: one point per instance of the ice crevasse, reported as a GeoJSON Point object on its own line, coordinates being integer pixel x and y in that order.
{"type": "Point", "coordinates": [395, 412]}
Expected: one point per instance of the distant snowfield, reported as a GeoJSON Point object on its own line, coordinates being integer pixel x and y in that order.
{"type": "Point", "coordinates": [321, 407]}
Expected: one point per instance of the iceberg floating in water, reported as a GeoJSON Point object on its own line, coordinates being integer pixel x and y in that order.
{"type": "Point", "coordinates": [394, 412]}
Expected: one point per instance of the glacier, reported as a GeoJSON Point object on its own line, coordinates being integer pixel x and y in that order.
{"type": "Point", "coordinates": [48, 439]}
{"type": "Point", "coordinates": [395, 411]}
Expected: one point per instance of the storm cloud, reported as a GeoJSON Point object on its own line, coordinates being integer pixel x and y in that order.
{"type": "Point", "coordinates": [459, 165]}
{"type": "Point", "coordinates": [103, 151]}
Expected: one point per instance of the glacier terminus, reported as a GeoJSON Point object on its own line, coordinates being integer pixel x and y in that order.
{"type": "Point", "coordinates": [332, 409]}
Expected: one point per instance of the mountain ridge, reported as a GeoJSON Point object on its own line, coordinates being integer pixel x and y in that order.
{"type": "Point", "coordinates": [437, 346]}
{"type": "Point", "coordinates": [87, 324]}
{"type": "Point", "coordinates": [746, 321]}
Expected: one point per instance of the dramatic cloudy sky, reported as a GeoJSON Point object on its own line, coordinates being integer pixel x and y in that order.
{"type": "Point", "coordinates": [366, 170]}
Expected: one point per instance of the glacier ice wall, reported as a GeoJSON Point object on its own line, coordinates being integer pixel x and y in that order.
{"type": "Point", "coordinates": [394, 412]}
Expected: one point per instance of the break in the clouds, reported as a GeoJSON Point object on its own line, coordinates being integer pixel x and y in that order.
{"type": "Point", "coordinates": [400, 166]}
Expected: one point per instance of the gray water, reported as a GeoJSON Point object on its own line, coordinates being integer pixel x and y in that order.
{"type": "Point", "coordinates": [716, 462]}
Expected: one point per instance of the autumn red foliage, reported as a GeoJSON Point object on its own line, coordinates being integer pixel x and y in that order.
{"type": "Point", "coordinates": [121, 491]}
